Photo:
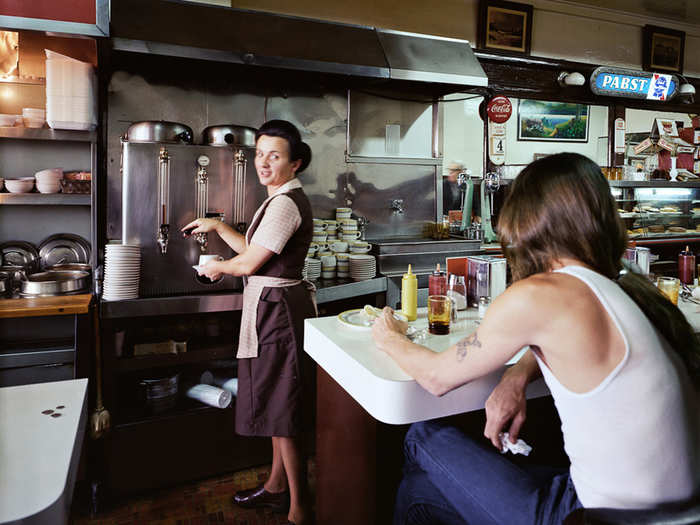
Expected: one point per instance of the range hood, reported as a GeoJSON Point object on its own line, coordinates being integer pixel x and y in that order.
{"type": "Point", "coordinates": [222, 34]}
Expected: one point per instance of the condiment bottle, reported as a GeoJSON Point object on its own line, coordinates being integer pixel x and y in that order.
{"type": "Point", "coordinates": [686, 266]}
{"type": "Point", "coordinates": [437, 282]}
{"type": "Point", "coordinates": [409, 295]}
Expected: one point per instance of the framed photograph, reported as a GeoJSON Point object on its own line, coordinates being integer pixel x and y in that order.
{"type": "Point", "coordinates": [663, 49]}
{"type": "Point", "coordinates": [552, 121]}
{"type": "Point", "coordinates": [506, 26]}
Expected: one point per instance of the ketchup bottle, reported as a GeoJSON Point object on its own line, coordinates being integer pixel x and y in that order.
{"type": "Point", "coordinates": [686, 266]}
{"type": "Point", "coordinates": [437, 282]}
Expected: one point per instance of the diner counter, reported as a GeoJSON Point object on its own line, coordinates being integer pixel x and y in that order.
{"type": "Point", "coordinates": [386, 392]}
{"type": "Point", "coordinates": [41, 306]}
{"type": "Point", "coordinates": [376, 382]}
{"type": "Point", "coordinates": [40, 451]}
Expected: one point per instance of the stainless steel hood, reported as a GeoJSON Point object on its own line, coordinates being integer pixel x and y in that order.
{"type": "Point", "coordinates": [184, 29]}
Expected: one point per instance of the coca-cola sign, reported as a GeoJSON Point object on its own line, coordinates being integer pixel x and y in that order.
{"type": "Point", "coordinates": [499, 109]}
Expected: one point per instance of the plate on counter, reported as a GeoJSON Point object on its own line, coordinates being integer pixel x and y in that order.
{"type": "Point", "coordinates": [357, 318]}
{"type": "Point", "coordinates": [64, 248]}
{"type": "Point", "coordinates": [18, 253]}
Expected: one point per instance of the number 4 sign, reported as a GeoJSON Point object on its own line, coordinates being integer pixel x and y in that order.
{"type": "Point", "coordinates": [497, 143]}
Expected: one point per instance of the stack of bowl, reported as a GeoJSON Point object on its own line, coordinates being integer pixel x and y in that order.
{"type": "Point", "coordinates": [49, 181]}
{"type": "Point", "coordinates": [33, 117]}
{"type": "Point", "coordinates": [22, 185]}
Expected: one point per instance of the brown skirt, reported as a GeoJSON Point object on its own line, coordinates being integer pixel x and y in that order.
{"type": "Point", "coordinates": [270, 386]}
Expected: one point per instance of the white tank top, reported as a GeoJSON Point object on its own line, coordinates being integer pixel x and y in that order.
{"type": "Point", "coordinates": [633, 440]}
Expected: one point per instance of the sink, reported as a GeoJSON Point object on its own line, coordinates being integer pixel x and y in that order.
{"type": "Point", "coordinates": [395, 254]}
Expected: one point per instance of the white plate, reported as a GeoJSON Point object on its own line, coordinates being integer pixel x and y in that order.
{"type": "Point", "coordinates": [357, 318]}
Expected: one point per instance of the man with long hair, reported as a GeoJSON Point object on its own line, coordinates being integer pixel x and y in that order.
{"type": "Point", "coordinates": [620, 361]}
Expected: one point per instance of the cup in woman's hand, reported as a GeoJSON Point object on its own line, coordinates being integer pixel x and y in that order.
{"type": "Point", "coordinates": [204, 259]}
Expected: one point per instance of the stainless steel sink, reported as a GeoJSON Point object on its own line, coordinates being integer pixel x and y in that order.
{"type": "Point", "coordinates": [395, 254]}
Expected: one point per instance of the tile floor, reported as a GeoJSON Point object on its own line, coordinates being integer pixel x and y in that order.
{"type": "Point", "coordinates": [208, 501]}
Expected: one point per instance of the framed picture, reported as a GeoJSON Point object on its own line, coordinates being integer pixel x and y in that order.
{"type": "Point", "coordinates": [663, 49]}
{"type": "Point", "coordinates": [506, 26]}
{"type": "Point", "coordinates": [552, 121]}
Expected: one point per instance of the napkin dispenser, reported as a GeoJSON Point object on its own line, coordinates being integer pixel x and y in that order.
{"type": "Point", "coordinates": [486, 277]}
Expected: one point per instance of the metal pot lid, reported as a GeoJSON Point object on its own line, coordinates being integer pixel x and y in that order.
{"type": "Point", "coordinates": [159, 131]}
{"type": "Point", "coordinates": [229, 135]}
{"type": "Point", "coordinates": [18, 253]}
{"type": "Point", "coordinates": [64, 248]}
{"type": "Point", "coordinates": [56, 276]}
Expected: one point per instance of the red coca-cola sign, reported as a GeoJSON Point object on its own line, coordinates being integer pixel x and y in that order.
{"type": "Point", "coordinates": [499, 109]}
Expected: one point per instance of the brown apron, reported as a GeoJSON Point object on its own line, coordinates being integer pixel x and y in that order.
{"type": "Point", "coordinates": [271, 385]}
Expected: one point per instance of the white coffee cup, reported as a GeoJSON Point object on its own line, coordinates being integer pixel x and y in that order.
{"type": "Point", "coordinates": [339, 246]}
{"type": "Point", "coordinates": [350, 235]}
{"type": "Point", "coordinates": [360, 247]}
{"type": "Point", "coordinates": [328, 274]}
{"type": "Point", "coordinates": [328, 261]}
{"type": "Point", "coordinates": [313, 248]}
{"type": "Point", "coordinates": [325, 253]}
{"type": "Point", "coordinates": [342, 275]}
{"type": "Point", "coordinates": [204, 259]}
{"type": "Point", "coordinates": [319, 237]}
{"type": "Point", "coordinates": [320, 224]}
{"type": "Point", "coordinates": [343, 213]}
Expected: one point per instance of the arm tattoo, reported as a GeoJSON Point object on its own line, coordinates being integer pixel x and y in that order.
{"type": "Point", "coordinates": [464, 344]}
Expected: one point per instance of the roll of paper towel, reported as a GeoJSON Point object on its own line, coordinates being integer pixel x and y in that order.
{"type": "Point", "coordinates": [210, 395]}
{"type": "Point", "coordinates": [227, 383]}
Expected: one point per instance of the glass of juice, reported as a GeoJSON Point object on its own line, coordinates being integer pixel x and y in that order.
{"type": "Point", "coordinates": [669, 286]}
{"type": "Point", "coordinates": [439, 311]}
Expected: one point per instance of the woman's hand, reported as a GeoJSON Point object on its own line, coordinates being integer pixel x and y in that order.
{"type": "Point", "coordinates": [507, 403]}
{"type": "Point", "coordinates": [200, 225]}
{"type": "Point", "coordinates": [387, 329]}
{"type": "Point", "coordinates": [212, 270]}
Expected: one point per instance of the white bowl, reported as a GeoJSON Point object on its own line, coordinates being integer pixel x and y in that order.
{"type": "Point", "coordinates": [49, 175]}
{"type": "Point", "coordinates": [48, 189]}
{"type": "Point", "coordinates": [19, 186]}
{"type": "Point", "coordinates": [33, 122]}
{"type": "Point", "coordinates": [7, 120]}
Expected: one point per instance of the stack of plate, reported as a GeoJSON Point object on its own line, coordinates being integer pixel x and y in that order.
{"type": "Point", "coordinates": [362, 267]}
{"type": "Point", "coordinates": [122, 271]}
{"type": "Point", "coordinates": [312, 269]}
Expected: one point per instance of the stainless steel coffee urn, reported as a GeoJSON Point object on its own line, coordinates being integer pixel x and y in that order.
{"type": "Point", "coordinates": [166, 183]}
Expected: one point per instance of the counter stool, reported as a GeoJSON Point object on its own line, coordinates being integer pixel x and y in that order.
{"type": "Point", "coordinates": [683, 513]}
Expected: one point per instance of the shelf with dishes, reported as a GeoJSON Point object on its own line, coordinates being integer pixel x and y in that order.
{"type": "Point", "coordinates": [45, 199]}
{"type": "Point", "coordinates": [22, 133]}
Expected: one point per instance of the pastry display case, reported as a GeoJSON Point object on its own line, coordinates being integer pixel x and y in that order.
{"type": "Point", "coordinates": [660, 209]}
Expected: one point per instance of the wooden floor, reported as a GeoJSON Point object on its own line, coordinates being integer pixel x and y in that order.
{"type": "Point", "coordinates": [208, 501]}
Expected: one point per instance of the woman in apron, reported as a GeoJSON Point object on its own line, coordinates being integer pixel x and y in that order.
{"type": "Point", "coordinates": [275, 303]}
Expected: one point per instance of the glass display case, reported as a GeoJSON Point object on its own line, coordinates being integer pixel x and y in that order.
{"type": "Point", "coordinates": [659, 209]}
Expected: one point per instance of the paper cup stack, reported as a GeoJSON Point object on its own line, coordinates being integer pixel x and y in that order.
{"type": "Point", "coordinates": [122, 272]}
{"type": "Point", "coordinates": [362, 267]}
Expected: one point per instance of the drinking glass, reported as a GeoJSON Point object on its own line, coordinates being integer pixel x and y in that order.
{"type": "Point", "coordinates": [669, 286]}
{"type": "Point", "coordinates": [457, 290]}
{"type": "Point", "coordinates": [439, 311]}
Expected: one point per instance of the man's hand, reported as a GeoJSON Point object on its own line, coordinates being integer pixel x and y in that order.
{"type": "Point", "coordinates": [507, 403]}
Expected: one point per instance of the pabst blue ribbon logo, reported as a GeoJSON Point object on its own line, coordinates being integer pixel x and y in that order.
{"type": "Point", "coordinates": [499, 109]}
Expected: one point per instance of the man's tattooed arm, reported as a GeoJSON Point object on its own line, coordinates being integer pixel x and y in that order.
{"type": "Point", "coordinates": [463, 346]}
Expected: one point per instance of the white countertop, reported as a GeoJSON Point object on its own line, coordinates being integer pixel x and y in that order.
{"type": "Point", "coordinates": [39, 453]}
{"type": "Point", "coordinates": [377, 383]}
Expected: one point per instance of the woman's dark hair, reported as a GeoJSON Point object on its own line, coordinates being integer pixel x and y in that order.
{"type": "Point", "coordinates": [298, 149]}
{"type": "Point", "coordinates": [561, 206]}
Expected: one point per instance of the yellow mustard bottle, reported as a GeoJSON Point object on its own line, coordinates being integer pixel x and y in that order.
{"type": "Point", "coordinates": [409, 295]}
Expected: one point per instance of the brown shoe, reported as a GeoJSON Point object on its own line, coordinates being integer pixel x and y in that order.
{"type": "Point", "coordinates": [259, 497]}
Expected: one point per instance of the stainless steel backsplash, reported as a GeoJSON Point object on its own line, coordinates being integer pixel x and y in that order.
{"type": "Point", "coordinates": [321, 115]}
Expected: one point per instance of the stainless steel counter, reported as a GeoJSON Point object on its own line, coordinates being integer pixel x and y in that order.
{"type": "Point", "coordinates": [327, 291]}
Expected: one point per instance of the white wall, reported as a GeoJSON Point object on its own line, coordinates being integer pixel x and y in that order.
{"type": "Point", "coordinates": [641, 121]}
{"type": "Point", "coordinates": [463, 132]}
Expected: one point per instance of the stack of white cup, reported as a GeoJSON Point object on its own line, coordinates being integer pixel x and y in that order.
{"type": "Point", "coordinates": [331, 229]}
{"type": "Point", "coordinates": [319, 234]}
{"type": "Point", "coordinates": [342, 213]}
{"type": "Point", "coordinates": [328, 266]}
{"type": "Point", "coordinates": [343, 265]}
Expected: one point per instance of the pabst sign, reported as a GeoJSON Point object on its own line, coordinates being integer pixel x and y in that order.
{"type": "Point", "coordinates": [499, 109]}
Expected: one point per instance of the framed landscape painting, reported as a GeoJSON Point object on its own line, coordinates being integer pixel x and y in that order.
{"type": "Point", "coordinates": [506, 26]}
{"type": "Point", "coordinates": [552, 121]}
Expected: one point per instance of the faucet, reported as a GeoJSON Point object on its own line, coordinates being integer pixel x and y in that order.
{"type": "Point", "coordinates": [162, 238]}
{"type": "Point", "coordinates": [362, 224]}
{"type": "Point", "coordinates": [397, 206]}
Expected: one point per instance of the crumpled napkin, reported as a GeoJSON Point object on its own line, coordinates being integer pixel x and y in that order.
{"type": "Point", "coordinates": [519, 447]}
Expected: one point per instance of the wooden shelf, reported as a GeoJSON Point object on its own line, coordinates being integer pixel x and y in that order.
{"type": "Point", "coordinates": [193, 355]}
{"type": "Point", "coordinates": [184, 406]}
{"type": "Point", "coordinates": [41, 306]}
{"type": "Point", "coordinates": [47, 134]}
{"type": "Point", "coordinates": [46, 199]}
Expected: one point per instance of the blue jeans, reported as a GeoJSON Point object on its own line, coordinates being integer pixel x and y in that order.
{"type": "Point", "coordinates": [449, 479]}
